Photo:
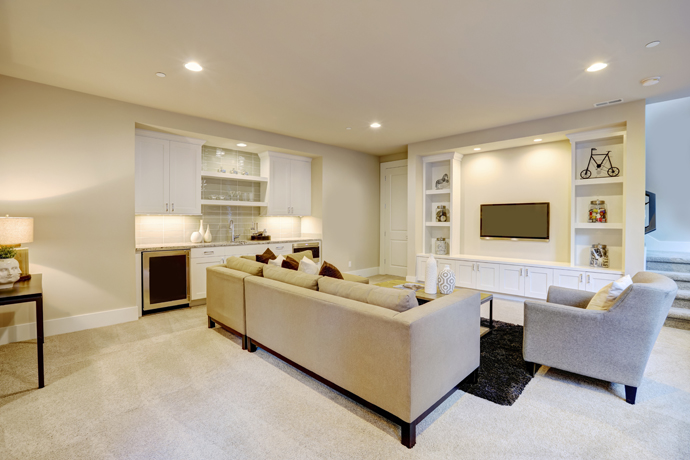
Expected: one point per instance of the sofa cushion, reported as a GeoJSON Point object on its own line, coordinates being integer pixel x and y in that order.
{"type": "Point", "coordinates": [355, 278]}
{"type": "Point", "coordinates": [292, 277]}
{"type": "Point", "coordinates": [330, 270]}
{"type": "Point", "coordinates": [266, 256]}
{"type": "Point", "coordinates": [244, 265]}
{"type": "Point", "coordinates": [249, 258]}
{"type": "Point", "coordinates": [607, 296]}
{"type": "Point", "coordinates": [394, 299]}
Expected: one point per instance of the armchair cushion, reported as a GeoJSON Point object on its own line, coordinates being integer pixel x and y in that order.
{"type": "Point", "coordinates": [606, 297]}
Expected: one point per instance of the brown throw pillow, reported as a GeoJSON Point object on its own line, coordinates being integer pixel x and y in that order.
{"type": "Point", "coordinates": [330, 270]}
{"type": "Point", "coordinates": [266, 256]}
{"type": "Point", "coordinates": [292, 264]}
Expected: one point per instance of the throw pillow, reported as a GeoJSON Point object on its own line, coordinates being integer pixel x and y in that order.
{"type": "Point", "coordinates": [290, 263]}
{"type": "Point", "coordinates": [278, 261]}
{"type": "Point", "coordinates": [330, 270]}
{"type": "Point", "coordinates": [301, 255]}
{"type": "Point", "coordinates": [607, 296]}
{"type": "Point", "coordinates": [306, 265]}
{"type": "Point", "coordinates": [618, 287]}
{"type": "Point", "coordinates": [266, 256]}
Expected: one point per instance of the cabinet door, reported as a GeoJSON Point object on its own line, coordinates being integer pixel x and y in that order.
{"type": "Point", "coordinates": [488, 276]}
{"type": "Point", "coordinates": [300, 188]}
{"type": "Point", "coordinates": [279, 187]}
{"type": "Point", "coordinates": [512, 280]}
{"type": "Point", "coordinates": [537, 282]}
{"type": "Point", "coordinates": [185, 178]}
{"type": "Point", "coordinates": [570, 279]}
{"type": "Point", "coordinates": [198, 275]}
{"type": "Point", "coordinates": [465, 274]}
{"type": "Point", "coordinates": [596, 281]}
{"type": "Point", "coordinates": [151, 171]}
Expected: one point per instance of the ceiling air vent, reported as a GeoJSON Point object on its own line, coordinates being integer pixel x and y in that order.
{"type": "Point", "coordinates": [614, 101]}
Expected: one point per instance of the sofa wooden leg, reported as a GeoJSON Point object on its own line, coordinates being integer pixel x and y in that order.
{"type": "Point", "coordinates": [251, 348]}
{"type": "Point", "coordinates": [409, 434]}
{"type": "Point", "coordinates": [630, 394]}
{"type": "Point", "coordinates": [532, 368]}
{"type": "Point", "coordinates": [211, 323]}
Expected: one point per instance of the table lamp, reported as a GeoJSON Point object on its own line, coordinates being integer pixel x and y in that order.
{"type": "Point", "coordinates": [14, 263]}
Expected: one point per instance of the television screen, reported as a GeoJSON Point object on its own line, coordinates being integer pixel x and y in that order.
{"type": "Point", "coordinates": [527, 221]}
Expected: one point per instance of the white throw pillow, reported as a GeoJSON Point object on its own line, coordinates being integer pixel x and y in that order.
{"type": "Point", "coordinates": [278, 261]}
{"type": "Point", "coordinates": [607, 296]}
{"type": "Point", "coordinates": [618, 287]}
{"type": "Point", "coordinates": [308, 266]}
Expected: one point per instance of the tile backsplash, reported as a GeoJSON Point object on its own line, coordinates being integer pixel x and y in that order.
{"type": "Point", "coordinates": [179, 229]}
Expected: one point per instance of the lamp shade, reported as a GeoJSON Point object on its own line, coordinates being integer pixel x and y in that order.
{"type": "Point", "coordinates": [16, 230]}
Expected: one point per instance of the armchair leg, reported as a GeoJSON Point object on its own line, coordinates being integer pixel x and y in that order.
{"type": "Point", "coordinates": [251, 348]}
{"type": "Point", "coordinates": [532, 368]}
{"type": "Point", "coordinates": [211, 323]}
{"type": "Point", "coordinates": [408, 436]}
{"type": "Point", "coordinates": [630, 394]}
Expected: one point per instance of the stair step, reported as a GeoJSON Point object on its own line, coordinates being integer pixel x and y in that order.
{"type": "Point", "coordinates": [682, 302]}
{"type": "Point", "coordinates": [668, 256]}
{"type": "Point", "coordinates": [678, 267]}
{"type": "Point", "coordinates": [678, 318]}
{"type": "Point", "coordinates": [681, 279]}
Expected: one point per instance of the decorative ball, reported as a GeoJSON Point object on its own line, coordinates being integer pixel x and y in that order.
{"type": "Point", "coordinates": [446, 281]}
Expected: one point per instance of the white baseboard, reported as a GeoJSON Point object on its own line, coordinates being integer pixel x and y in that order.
{"type": "Point", "coordinates": [653, 244]}
{"type": "Point", "coordinates": [27, 331]}
{"type": "Point", "coordinates": [365, 272]}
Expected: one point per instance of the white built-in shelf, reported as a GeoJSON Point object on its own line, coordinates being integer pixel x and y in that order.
{"type": "Point", "coordinates": [220, 175]}
{"type": "Point", "coordinates": [438, 192]}
{"type": "Point", "coordinates": [233, 203]}
{"type": "Point", "coordinates": [438, 224]}
{"type": "Point", "coordinates": [599, 225]}
{"type": "Point", "coordinates": [600, 180]}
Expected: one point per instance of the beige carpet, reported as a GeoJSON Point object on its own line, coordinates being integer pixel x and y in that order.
{"type": "Point", "coordinates": [166, 387]}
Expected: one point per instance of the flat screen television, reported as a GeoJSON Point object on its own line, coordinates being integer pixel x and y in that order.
{"type": "Point", "coordinates": [515, 221]}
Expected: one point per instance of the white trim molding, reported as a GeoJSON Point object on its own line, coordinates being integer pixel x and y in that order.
{"type": "Point", "coordinates": [365, 272]}
{"type": "Point", "coordinates": [27, 331]}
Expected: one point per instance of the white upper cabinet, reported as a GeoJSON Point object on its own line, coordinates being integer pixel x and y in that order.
{"type": "Point", "coordinates": [167, 174]}
{"type": "Point", "coordinates": [288, 191]}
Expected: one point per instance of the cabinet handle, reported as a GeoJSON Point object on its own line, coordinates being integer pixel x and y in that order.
{"type": "Point", "coordinates": [279, 247]}
{"type": "Point", "coordinates": [173, 207]}
{"type": "Point", "coordinates": [526, 271]}
{"type": "Point", "coordinates": [167, 207]}
{"type": "Point", "coordinates": [580, 277]}
{"type": "Point", "coordinates": [588, 279]}
{"type": "Point", "coordinates": [209, 252]}
{"type": "Point", "coordinates": [521, 272]}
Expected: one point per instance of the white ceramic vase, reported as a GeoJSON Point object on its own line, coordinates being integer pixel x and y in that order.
{"type": "Point", "coordinates": [201, 226]}
{"type": "Point", "coordinates": [9, 273]}
{"type": "Point", "coordinates": [446, 281]}
{"type": "Point", "coordinates": [207, 236]}
{"type": "Point", "coordinates": [431, 281]}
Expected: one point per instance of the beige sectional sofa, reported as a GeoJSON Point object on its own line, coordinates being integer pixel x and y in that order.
{"type": "Point", "coordinates": [370, 343]}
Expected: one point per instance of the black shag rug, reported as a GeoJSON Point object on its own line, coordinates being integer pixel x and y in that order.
{"type": "Point", "coordinates": [502, 372]}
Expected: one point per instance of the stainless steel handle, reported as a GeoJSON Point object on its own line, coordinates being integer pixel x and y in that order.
{"type": "Point", "coordinates": [588, 279]}
{"type": "Point", "coordinates": [209, 252]}
{"type": "Point", "coordinates": [580, 277]}
{"type": "Point", "coordinates": [173, 207]}
{"type": "Point", "coordinates": [526, 271]}
{"type": "Point", "coordinates": [279, 247]}
{"type": "Point", "coordinates": [167, 207]}
{"type": "Point", "coordinates": [521, 272]}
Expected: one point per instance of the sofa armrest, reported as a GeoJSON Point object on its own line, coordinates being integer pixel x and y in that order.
{"type": "Point", "coordinates": [355, 278]}
{"type": "Point", "coordinates": [225, 296]}
{"type": "Point", "coordinates": [570, 297]}
{"type": "Point", "coordinates": [444, 341]}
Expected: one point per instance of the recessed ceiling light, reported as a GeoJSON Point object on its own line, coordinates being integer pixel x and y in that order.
{"type": "Point", "coordinates": [194, 66]}
{"type": "Point", "coordinates": [241, 144]}
{"type": "Point", "coordinates": [375, 125]}
{"type": "Point", "coordinates": [160, 74]}
{"type": "Point", "coordinates": [348, 128]}
{"type": "Point", "coordinates": [596, 67]}
{"type": "Point", "coordinates": [652, 44]}
{"type": "Point", "coordinates": [477, 148]}
{"type": "Point", "coordinates": [650, 81]}
{"type": "Point", "coordinates": [537, 140]}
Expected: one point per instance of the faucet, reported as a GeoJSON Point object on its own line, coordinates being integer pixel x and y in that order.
{"type": "Point", "coordinates": [232, 232]}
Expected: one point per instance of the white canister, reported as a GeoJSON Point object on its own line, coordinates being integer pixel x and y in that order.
{"type": "Point", "coordinates": [441, 246]}
{"type": "Point", "coordinates": [446, 281]}
{"type": "Point", "coordinates": [431, 280]}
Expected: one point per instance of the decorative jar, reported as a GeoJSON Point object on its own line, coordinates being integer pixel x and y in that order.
{"type": "Point", "coordinates": [446, 281]}
{"type": "Point", "coordinates": [441, 214]}
{"type": "Point", "coordinates": [441, 246]}
{"type": "Point", "coordinates": [597, 211]}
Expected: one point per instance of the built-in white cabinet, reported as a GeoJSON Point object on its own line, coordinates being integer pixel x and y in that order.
{"type": "Point", "coordinates": [167, 174]}
{"type": "Point", "coordinates": [582, 280]}
{"type": "Point", "coordinates": [537, 282]}
{"type": "Point", "coordinates": [465, 274]}
{"type": "Point", "coordinates": [441, 263]}
{"type": "Point", "coordinates": [488, 277]}
{"type": "Point", "coordinates": [288, 190]}
{"type": "Point", "coordinates": [596, 281]}
{"type": "Point", "coordinates": [512, 280]}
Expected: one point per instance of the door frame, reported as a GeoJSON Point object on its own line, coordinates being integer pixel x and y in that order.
{"type": "Point", "coordinates": [384, 167]}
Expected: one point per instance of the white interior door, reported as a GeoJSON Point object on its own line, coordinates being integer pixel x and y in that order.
{"type": "Point", "coordinates": [394, 219]}
{"type": "Point", "coordinates": [151, 185]}
{"type": "Point", "coordinates": [185, 178]}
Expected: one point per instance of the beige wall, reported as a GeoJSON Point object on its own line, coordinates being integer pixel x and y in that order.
{"type": "Point", "coordinates": [393, 157]}
{"type": "Point", "coordinates": [535, 173]}
{"type": "Point", "coordinates": [68, 160]}
{"type": "Point", "coordinates": [632, 114]}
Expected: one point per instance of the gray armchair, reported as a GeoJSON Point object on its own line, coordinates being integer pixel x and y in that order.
{"type": "Point", "coordinates": [611, 345]}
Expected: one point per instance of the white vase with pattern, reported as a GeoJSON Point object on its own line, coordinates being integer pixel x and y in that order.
{"type": "Point", "coordinates": [446, 281]}
{"type": "Point", "coordinates": [431, 280]}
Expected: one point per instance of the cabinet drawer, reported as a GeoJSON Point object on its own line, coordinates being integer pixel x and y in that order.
{"type": "Point", "coordinates": [207, 252]}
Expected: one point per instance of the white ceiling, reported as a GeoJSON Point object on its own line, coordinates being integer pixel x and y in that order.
{"type": "Point", "coordinates": [311, 68]}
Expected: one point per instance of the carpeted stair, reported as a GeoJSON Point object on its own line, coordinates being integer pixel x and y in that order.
{"type": "Point", "coordinates": [675, 265]}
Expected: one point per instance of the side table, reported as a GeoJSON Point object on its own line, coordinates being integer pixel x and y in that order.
{"type": "Point", "coordinates": [29, 291]}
